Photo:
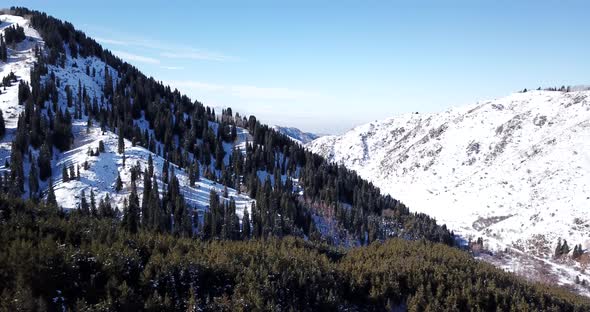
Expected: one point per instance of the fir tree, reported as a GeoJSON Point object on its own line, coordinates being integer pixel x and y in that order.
{"type": "Point", "coordinates": [93, 209]}
{"type": "Point", "coordinates": [118, 183]}
{"type": "Point", "coordinates": [51, 200]}
{"type": "Point", "coordinates": [17, 178]}
{"type": "Point", "coordinates": [84, 209]}
{"type": "Point", "coordinates": [121, 141]}
{"type": "Point", "coordinates": [64, 174]}
{"type": "Point", "coordinates": [33, 179]}
{"type": "Point", "coordinates": [2, 125]}
{"type": "Point", "coordinates": [246, 225]}
{"type": "Point", "coordinates": [44, 161]}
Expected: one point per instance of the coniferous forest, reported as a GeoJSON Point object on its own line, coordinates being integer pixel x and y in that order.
{"type": "Point", "coordinates": [156, 255]}
{"type": "Point", "coordinates": [52, 260]}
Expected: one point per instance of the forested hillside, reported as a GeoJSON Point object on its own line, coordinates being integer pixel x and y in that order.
{"type": "Point", "coordinates": [119, 193]}
{"type": "Point", "coordinates": [55, 261]}
{"type": "Point", "coordinates": [313, 198]}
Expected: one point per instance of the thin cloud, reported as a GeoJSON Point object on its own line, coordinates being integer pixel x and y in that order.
{"type": "Point", "coordinates": [136, 58]}
{"type": "Point", "coordinates": [111, 41]}
{"type": "Point", "coordinates": [246, 91]}
{"type": "Point", "coordinates": [198, 55]}
{"type": "Point", "coordinates": [173, 67]}
{"type": "Point", "coordinates": [167, 50]}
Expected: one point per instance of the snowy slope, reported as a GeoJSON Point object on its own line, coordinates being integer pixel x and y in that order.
{"type": "Point", "coordinates": [515, 170]}
{"type": "Point", "coordinates": [296, 134]}
{"type": "Point", "coordinates": [21, 59]}
{"type": "Point", "coordinates": [102, 170]}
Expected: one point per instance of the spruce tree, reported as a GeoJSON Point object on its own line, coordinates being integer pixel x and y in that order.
{"type": "Point", "coordinates": [44, 161]}
{"type": "Point", "coordinates": [246, 225]}
{"type": "Point", "coordinates": [118, 183]}
{"type": "Point", "coordinates": [150, 170]}
{"type": "Point", "coordinates": [93, 209]}
{"type": "Point", "coordinates": [64, 174]}
{"type": "Point", "coordinates": [17, 178]}
{"type": "Point", "coordinates": [2, 125]}
{"type": "Point", "coordinates": [51, 200]}
{"type": "Point", "coordinates": [33, 179]}
{"type": "Point", "coordinates": [565, 249]}
{"type": "Point", "coordinates": [84, 209]}
{"type": "Point", "coordinates": [121, 141]}
{"type": "Point", "coordinates": [3, 49]}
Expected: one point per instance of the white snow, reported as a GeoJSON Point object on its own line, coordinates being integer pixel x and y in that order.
{"type": "Point", "coordinates": [103, 169]}
{"type": "Point", "coordinates": [21, 58]}
{"type": "Point", "coordinates": [515, 170]}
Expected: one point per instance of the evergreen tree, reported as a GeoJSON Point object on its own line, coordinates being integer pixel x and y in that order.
{"type": "Point", "coordinates": [93, 209]}
{"type": "Point", "coordinates": [145, 199]}
{"type": "Point", "coordinates": [51, 200]}
{"type": "Point", "coordinates": [150, 171]}
{"type": "Point", "coordinates": [565, 249]}
{"type": "Point", "coordinates": [44, 162]}
{"type": "Point", "coordinates": [165, 173]}
{"type": "Point", "coordinates": [578, 251]}
{"type": "Point", "coordinates": [104, 207]}
{"type": "Point", "coordinates": [246, 225]}
{"type": "Point", "coordinates": [72, 172]}
{"type": "Point", "coordinates": [33, 179]}
{"type": "Point", "coordinates": [84, 204]}
{"type": "Point", "coordinates": [3, 50]}
{"type": "Point", "coordinates": [131, 211]}
{"type": "Point", "coordinates": [17, 175]}
{"type": "Point", "coordinates": [64, 174]}
{"type": "Point", "coordinates": [118, 183]}
{"type": "Point", "coordinates": [2, 125]}
{"type": "Point", "coordinates": [121, 144]}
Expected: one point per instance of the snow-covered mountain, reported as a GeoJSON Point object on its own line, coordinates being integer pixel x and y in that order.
{"type": "Point", "coordinates": [296, 134]}
{"type": "Point", "coordinates": [98, 173]}
{"type": "Point", "coordinates": [514, 171]}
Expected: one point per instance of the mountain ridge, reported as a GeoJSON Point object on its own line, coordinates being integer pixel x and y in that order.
{"type": "Point", "coordinates": [491, 169]}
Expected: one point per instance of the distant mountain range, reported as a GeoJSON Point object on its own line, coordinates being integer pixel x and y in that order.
{"type": "Point", "coordinates": [296, 134]}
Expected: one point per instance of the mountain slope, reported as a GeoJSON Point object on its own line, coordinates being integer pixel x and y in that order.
{"type": "Point", "coordinates": [78, 96]}
{"type": "Point", "coordinates": [85, 118]}
{"type": "Point", "coordinates": [296, 134]}
{"type": "Point", "coordinates": [515, 171]}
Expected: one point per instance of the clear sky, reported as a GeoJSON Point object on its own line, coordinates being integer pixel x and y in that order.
{"type": "Point", "coordinates": [326, 66]}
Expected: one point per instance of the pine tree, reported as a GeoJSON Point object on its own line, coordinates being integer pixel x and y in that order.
{"type": "Point", "coordinates": [578, 251]}
{"type": "Point", "coordinates": [44, 162]}
{"type": "Point", "coordinates": [84, 204]}
{"type": "Point", "coordinates": [3, 50]}
{"type": "Point", "coordinates": [154, 206]}
{"type": "Point", "coordinates": [118, 183]}
{"type": "Point", "coordinates": [104, 207]}
{"type": "Point", "coordinates": [64, 174]}
{"type": "Point", "coordinates": [165, 172]}
{"type": "Point", "coordinates": [2, 125]}
{"type": "Point", "coordinates": [93, 209]}
{"type": "Point", "coordinates": [131, 211]}
{"type": "Point", "coordinates": [17, 174]}
{"type": "Point", "coordinates": [33, 179]}
{"type": "Point", "coordinates": [246, 225]}
{"type": "Point", "coordinates": [145, 199]}
{"type": "Point", "coordinates": [565, 249]}
{"type": "Point", "coordinates": [150, 171]}
{"type": "Point", "coordinates": [51, 200]}
{"type": "Point", "coordinates": [72, 172]}
{"type": "Point", "coordinates": [121, 144]}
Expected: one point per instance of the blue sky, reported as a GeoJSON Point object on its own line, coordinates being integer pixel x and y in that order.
{"type": "Point", "coordinates": [326, 66]}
